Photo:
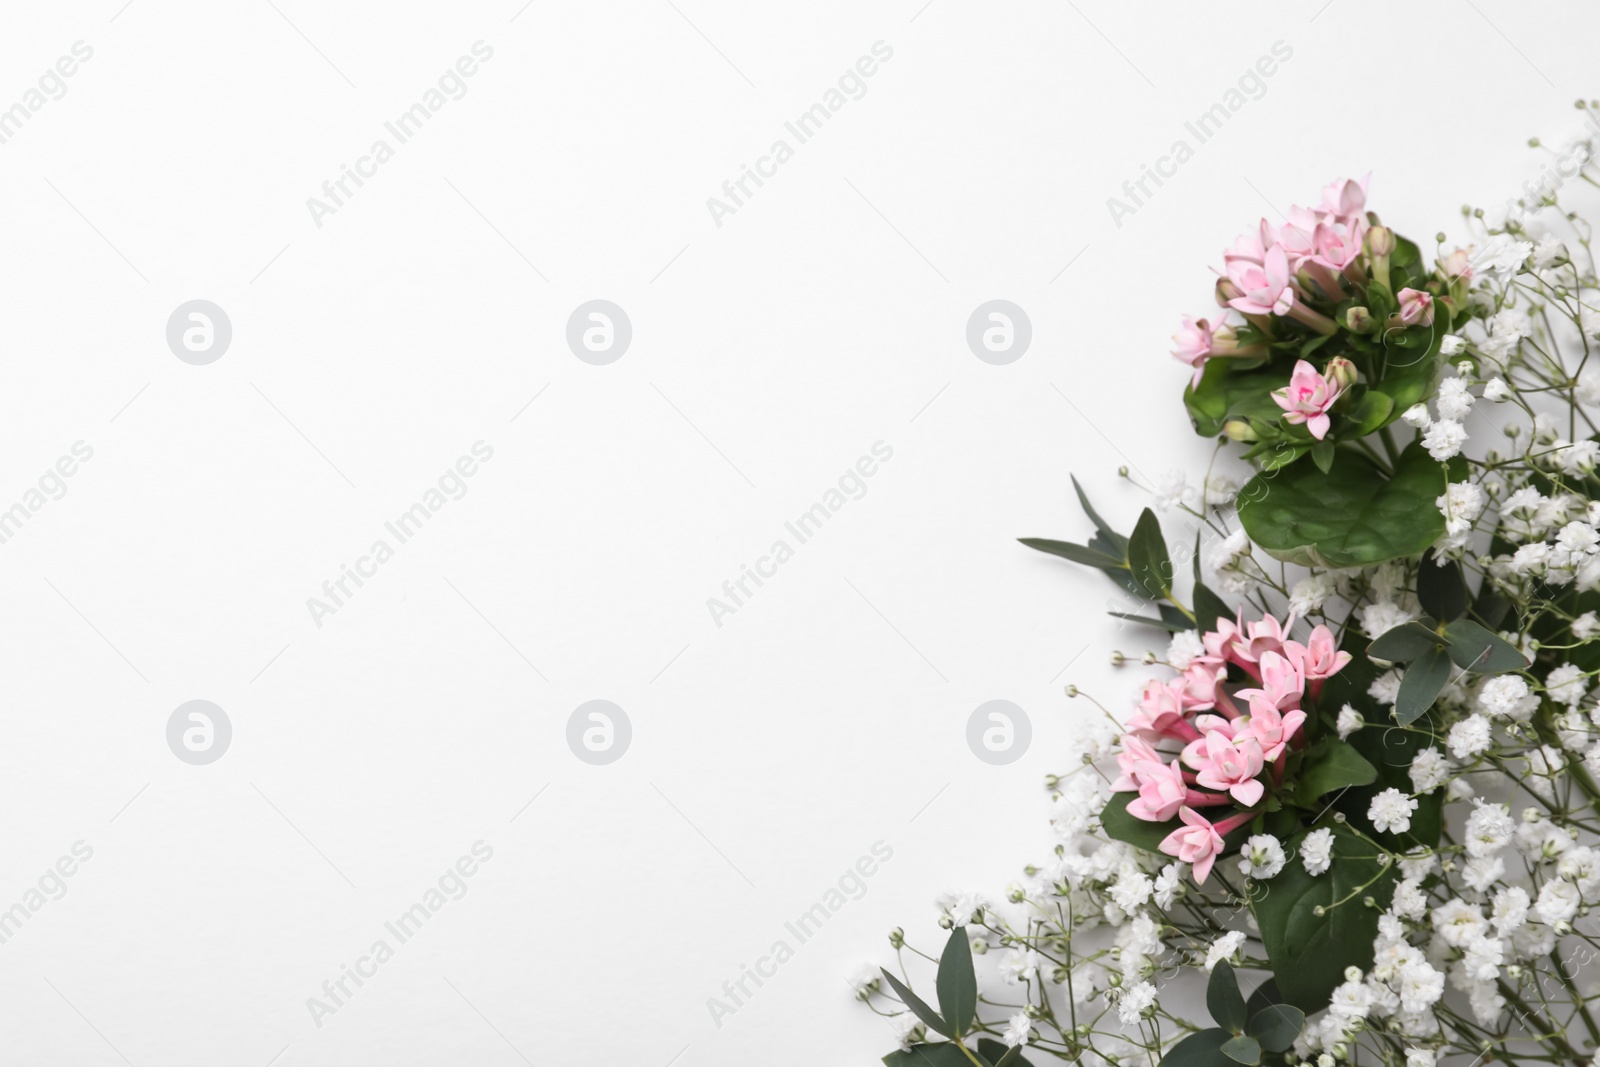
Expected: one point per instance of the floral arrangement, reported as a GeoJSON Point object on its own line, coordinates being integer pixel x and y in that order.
{"type": "Point", "coordinates": [1355, 817]}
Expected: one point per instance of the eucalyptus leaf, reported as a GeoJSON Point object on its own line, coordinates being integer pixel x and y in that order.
{"type": "Point", "coordinates": [1203, 1048]}
{"type": "Point", "coordinates": [1276, 1026]}
{"type": "Point", "coordinates": [1076, 553]}
{"type": "Point", "coordinates": [1223, 998]}
{"type": "Point", "coordinates": [1442, 588]}
{"type": "Point", "coordinates": [937, 1054]}
{"type": "Point", "coordinates": [1147, 556]}
{"type": "Point", "coordinates": [1405, 642]}
{"type": "Point", "coordinates": [1421, 684]}
{"type": "Point", "coordinates": [1242, 1049]}
{"type": "Point", "coordinates": [999, 1055]}
{"type": "Point", "coordinates": [957, 983]}
{"type": "Point", "coordinates": [1099, 524]}
{"type": "Point", "coordinates": [1481, 651]}
{"type": "Point", "coordinates": [916, 1004]}
{"type": "Point", "coordinates": [1208, 608]}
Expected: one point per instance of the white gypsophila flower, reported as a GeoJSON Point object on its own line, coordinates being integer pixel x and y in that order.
{"type": "Point", "coordinates": [1418, 864]}
{"type": "Point", "coordinates": [1421, 987]}
{"type": "Point", "coordinates": [1483, 958]}
{"type": "Point", "coordinates": [1587, 388]}
{"type": "Point", "coordinates": [1452, 345]}
{"type": "Point", "coordinates": [1503, 695]}
{"type": "Point", "coordinates": [1168, 882]}
{"type": "Point", "coordinates": [1019, 965]}
{"type": "Point", "coordinates": [1486, 1002]}
{"type": "Point", "coordinates": [1469, 737]}
{"type": "Point", "coordinates": [1460, 789]}
{"type": "Point", "coordinates": [1350, 720]}
{"type": "Point", "coordinates": [1220, 490]}
{"type": "Point", "coordinates": [1381, 616]}
{"type": "Point", "coordinates": [1409, 901]}
{"type": "Point", "coordinates": [1225, 947]}
{"type": "Point", "coordinates": [1489, 829]}
{"type": "Point", "coordinates": [1510, 910]}
{"type": "Point", "coordinates": [1261, 857]}
{"type": "Point", "coordinates": [1316, 850]}
{"type": "Point", "coordinates": [1501, 255]}
{"type": "Point", "coordinates": [1185, 648]}
{"type": "Point", "coordinates": [1458, 922]}
{"type": "Point", "coordinates": [1567, 684]}
{"type": "Point", "coordinates": [1429, 770]}
{"type": "Point", "coordinates": [1495, 389]}
{"type": "Point", "coordinates": [1139, 937]}
{"type": "Point", "coordinates": [1417, 416]}
{"type": "Point", "coordinates": [1390, 811]}
{"type": "Point", "coordinates": [1017, 1030]}
{"type": "Point", "coordinates": [1578, 537]}
{"type": "Point", "coordinates": [1444, 439]}
{"type": "Point", "coordinates": [962, 908]}
{"type": "Point", "coordinates": [1174, 491]}
{"type": "Point", "coordinates": [1132, 888]}
{"type": "Point", "coordinates": [1309, 594]}
{"type": "Point", "coordinates": [1385, 688]}
{"type": "Point", "coordinates": [1226, 553]}
{"type": "Point", "coordinates": [1548, 252]}
{"type": "Point", "coordinates": [862, 976]}
{"type": "Point", "coordinates": [1586, 626]}
{"type": "Point", "coordinates": [1454, 400]}
{"type": "Point", "coordinates": [1134, 1001]}
{"type": "Point", "coordinates": [904, 1024]}
{"type": "Point", "coordinates": [1351, 1000]}
{"type": "Point", "coordinates": [1481, 872]}
{"type": "Point", "coordinates": [1558, 902]}
{"type": "Point", "coordinates": [1420, 1057]}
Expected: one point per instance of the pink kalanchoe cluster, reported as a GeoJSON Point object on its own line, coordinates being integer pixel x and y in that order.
{"type": "Point", "coordinates": [1270, 272]}
{"type": "Point", "coordinates": [1234, 740]}
{"type": "Point", "coordinates": [1308, 398]}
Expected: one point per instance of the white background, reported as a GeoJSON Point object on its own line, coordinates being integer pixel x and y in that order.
{"type": "Point", "coordinates": [826, 314]}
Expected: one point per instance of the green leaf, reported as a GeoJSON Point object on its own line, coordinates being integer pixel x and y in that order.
{"type": "Point", "coordinates": [1265, 996]}
{"type": "Point", "coordinates": [1375, 411]}
{"type": "Point", "coordinates": [1350, 517]}
{"type": "Point", "coordinates": [1120, 826]}
{"type": "Point", "coordinates": [1442, 588]}
{"type": "Point", "coordinates": [1322, 456]}
{"type": "Point", "coordinates": [918, 1006]}
{"type": "Point", "coordinates": [1391, 751]}
{"type": "Point", "coordinates": [957, 984]}
{"type": "Point", "coordinates": [1161, 624]}
{"type": "Point", "coordinates": [1203, 1048]}
{"type": "Point", "coordinates": [1405, 642]}
{"type": "Point", "coordinates": [1223, 998]}
{"type": "Point", "coordinates": [1420, 685]}
{"type": "Point", "coordinates": [1147, 556]}
{"type": "Point", "coordinates": [1001, 1056]}
{"type": "Point", "coordinates": [1242, 1049]}
{"type": "Point", "coordinates": [1481, 651]}
{"type": "Point", "coordinates": [1276, 1026]}
{"type": "Point", "coordinates": [937, 1054]}
{"type": "Point", "coordinates": [1228, 392]}
{"type": "Point", "coordinates": [1208, 608]}
{"type": "Point", "coordinates": [1309, 952]}
{"type": "Point", "coordinates": [1076, 553]}
{"type": "Point", "coordinates": [1106, 531]}
{"type": "Point", "coordinates": [1330, 765]}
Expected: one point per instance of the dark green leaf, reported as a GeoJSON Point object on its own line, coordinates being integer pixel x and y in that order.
{"type": "Point", "coordinates": [1265, 996]}
{"type": "Point", "coordinates": [1208, 608]}
{"type": "Point", "coordinates": [1001, 1056]}
{"type": "Point", "coordinates": [1100, 524]}
{"type": "Point", "coordinates": [1405, 642]}
{"type": "Point", "coordinates": [1442, 588]}
{"type": "Point", "coordinates": [918, 1006]}
{"type": "Point", "coordinates": [957, 984]}
{"type": "Point", "coordinates": [1147, 556]}
{"type": "Point", "coordinates": [1276, 1026]}
{"type": "Point", "coordinates": [1331, 764]}
{"type": "Point", "coordinates": [1374, 411]}
{"type": "Point", "coordinates": [1223, 998]}
{"type": "Point", "coordinates": [1309, 952]}
{"type": "Point", "coordinates": [1242, 1049]}
{"type": "Point", "coordinates": [1076, 553]}
{"type": "Point", "coordinates": [1420, 685]}
{"type": "Point", "coordinates": [1350, 517]}
{"type": "Point", "coordinates": [1322, 456]}
{"type": "Point", "coordinates": [1203, 1048]}
{"type": "Point", "coordinates": [1391, 751]}
{"type": "Point", "coordinates": [1160, 624]}
{"type": "Point", "coordinates": [1480, 651]}
{"type": "Point", "coordinates": [1228, 392]}
{"type": "Point", "coordinates": [938, 1054]}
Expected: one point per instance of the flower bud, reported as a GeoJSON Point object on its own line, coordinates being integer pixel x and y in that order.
{"type": "Point", "coordinates": [1239, 430]}
{"type": "Point", "coordinates": [1340, 372]}
{"type": "Point", "coordinates": [897, 938]}
{"type": "Point", "coordinates": [1227, 291]}
{"type": "Point", "coordinates": [1358, 320]}
{"type": "Point", "coordinates": [979, 946]}
{"type": "Point", "coordinates": [1380, 241]}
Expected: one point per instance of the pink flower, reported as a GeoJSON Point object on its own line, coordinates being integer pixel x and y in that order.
{"type": "Point", "coordinates": [1271, 728]}
{"type": "Point", "coordinates": [1251, 247]}
{"type": "Point", "coordinates": [1258, 638]}
{"type": "Point", "coordinates": [1318, 659]}
{"type": "Point", "coordinates": [1230, 766]}
{"type": "Point", "coordinates": [1196, 842]}
{"type": "Point", "coordinates": [1307, 398]}
{"type": "Point", "coordinates": [1282, 684]}
{"type": "Point", "coordinates": [1135, 751]}
{"type": "Point", "coordinates": [1162, 791]}
{"type": "Point", "coordinates": [1416, 307]}
{"type": "Point", "coordinates": [1337, 246]}
{"type": "Point", "coordinates": [1193, 345]}
{"type": "Point", "coordinates": [1345, 197]}
{"type": "Point", "coordinates": [1162, 713]}
{"type": "Point", "coordinates": [1457, 264]}
{"type": "Point", "coordinates": [1202, 684]}
{"type": "Point", "coordinates": [1265, 286]}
